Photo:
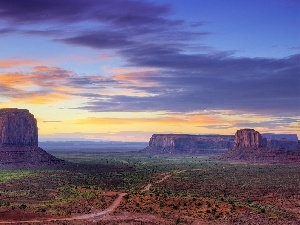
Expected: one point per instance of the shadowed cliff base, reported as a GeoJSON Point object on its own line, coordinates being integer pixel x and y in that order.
{"type": "Point", "coordinates": [26, 157]}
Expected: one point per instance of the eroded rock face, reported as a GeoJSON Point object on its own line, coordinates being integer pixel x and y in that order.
{"type": "Point", "coordinates": [18, 127]}
{"type": "Point", "coordinates": [187, 144]}
{"type": "Point", "coordinates": [249, 145]}
{"type": "Point", "coordinates": [249, 138]}
{"type": "Point", "coordinates": [19, 141]}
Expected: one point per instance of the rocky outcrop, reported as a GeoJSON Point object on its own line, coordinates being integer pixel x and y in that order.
{"type": "Point", "coordinates": [249, 145]}
{"type": "Point", "coordinates": [18, 127]}
{"type": "Point", "coordinates": [249, 138]}
{"type": "Point", "coordinates": [19, 141]}
{"type": "Point", "coordinates": [187, 144]}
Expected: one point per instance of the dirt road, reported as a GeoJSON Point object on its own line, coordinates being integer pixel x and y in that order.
{"type": "Point", "coordinates": [88, 217]}
{"type": "Point", "coordinates": [111, 208]}
{"type": "Point", "coordinates": [148, 186]}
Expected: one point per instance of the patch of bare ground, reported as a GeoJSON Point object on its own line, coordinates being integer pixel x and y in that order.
{"type": "Point", "coordinates": [288, 203]}
{"type": "Point", "coordinates": [20, 217]}
{"type": "Point", "coordinates": [131, 218]}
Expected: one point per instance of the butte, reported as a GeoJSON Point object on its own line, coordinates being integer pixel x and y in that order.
{"type": "Point", "coordinates": [19, 141]}
{"type": "Point", "coordinates": [250, 145]}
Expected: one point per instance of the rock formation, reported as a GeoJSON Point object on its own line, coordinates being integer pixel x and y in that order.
{"type": "Point", "coordinates": [249, 145]}
{"type": "Point", "coordinates": [198, 144]}
{"type": "Point", "coordinates": [18, 127]}
{"type": "Point", "coordinates": [187, 144]}
{"type": "Point", "coordinates": [19, 140]}
{"type": "Point", "coordinates": [249, 138]}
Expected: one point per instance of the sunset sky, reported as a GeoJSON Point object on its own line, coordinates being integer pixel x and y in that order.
{"type": "Point", "coordinates": [125, 69]}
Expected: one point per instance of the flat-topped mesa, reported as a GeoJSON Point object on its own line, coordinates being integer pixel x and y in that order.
{"type": "Point", "coordinates": [187, 143]}
{"type": "Point", "coordinates": [249, 138]}
{"type": "Point", "coordinates": [18, 127]}
{"type": "Point", "coordinates": [163, 141]}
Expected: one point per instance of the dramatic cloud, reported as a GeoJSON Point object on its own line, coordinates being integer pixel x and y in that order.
{"type": "Point", "coordinates": [156, 62]}
{"type": "Point", "coordinates": [138, 16]}
{"type": "Point", "coordinates": [258, 88]}
{"type": "Point", "coordinates": [245, 84]}
{"type": "Point", "coordinates": [108, 24]}
{"type": "Point", "coordinates": [103, 40]}
{"type": "Point", "coordinates": [274, 123]}
{"type": "Point", "coordinates": [118, 12]}
{"type": "Point", "coordinates": [41, 86]}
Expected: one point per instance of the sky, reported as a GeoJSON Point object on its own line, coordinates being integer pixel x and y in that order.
{"type": "Point", "coordinates": [122, 70]}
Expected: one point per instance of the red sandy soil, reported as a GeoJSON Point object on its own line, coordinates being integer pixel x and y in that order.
{"type": "Point", "coordinates": [18, 216]}
{"type": "Point", "coordinates": [122, 212]}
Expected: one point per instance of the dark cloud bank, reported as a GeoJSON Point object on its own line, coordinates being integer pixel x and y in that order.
{"type": "Point", "coordinates": [144, 36]}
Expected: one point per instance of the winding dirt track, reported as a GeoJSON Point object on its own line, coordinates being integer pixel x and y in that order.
{"type": "Point", "coordinates": [88, 217]}
{"type": "Point", "coordinates": [147, 188]}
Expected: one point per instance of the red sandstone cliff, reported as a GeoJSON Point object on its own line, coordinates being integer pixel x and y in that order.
{"type": "Point", "coordinates": [187, 144]}
{"type": "Point", "coordinates": [243, 139]}
{"type": "Point", "coordinates": [18, 127]}
{"type": "Point", "coordinates": [249, 138]}
{"type": "Point", "coordinates": [249, 145]}
{"type": "Point", "coordinates": [19, 140]}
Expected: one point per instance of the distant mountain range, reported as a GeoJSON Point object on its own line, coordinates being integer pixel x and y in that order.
{"type": "Point", "coordinates": [92, 146]}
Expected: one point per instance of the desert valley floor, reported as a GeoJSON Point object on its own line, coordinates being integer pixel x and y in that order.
{"type": "Point", "coordinates": [132, 188]}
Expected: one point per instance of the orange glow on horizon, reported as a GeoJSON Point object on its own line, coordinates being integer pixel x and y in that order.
{"type": "Point", "coordinates": [167, 120]}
